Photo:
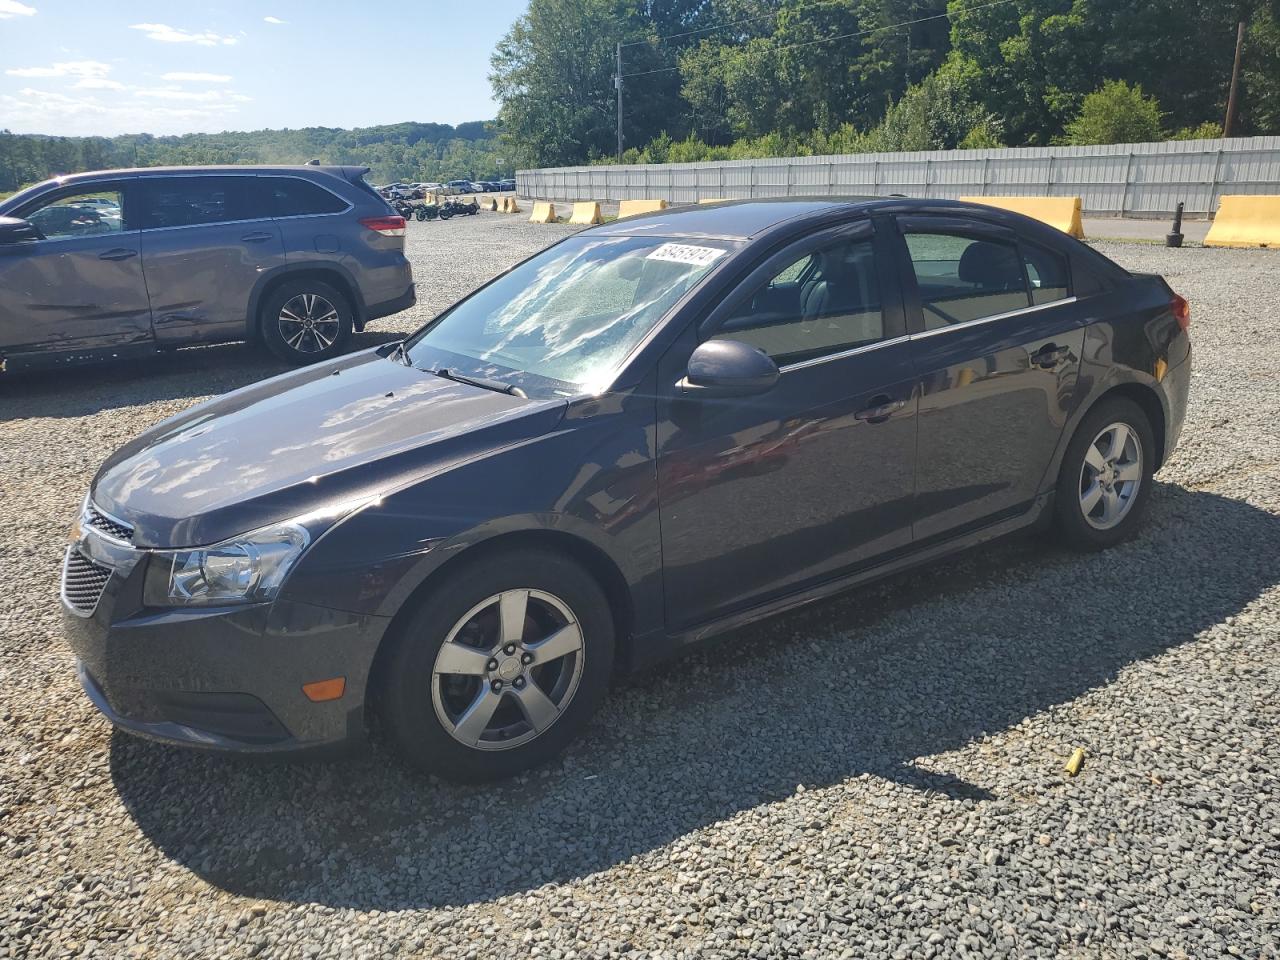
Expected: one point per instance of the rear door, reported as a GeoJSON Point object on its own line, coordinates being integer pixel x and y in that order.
{"type": "Point", "coordinates": [80, 288]}
{"type": "Point", "coordinates": [996, 338]}
{"type": "Point", "coordinates": [308, 215]}
{"type": "Point", "coordinates": [205, 241]}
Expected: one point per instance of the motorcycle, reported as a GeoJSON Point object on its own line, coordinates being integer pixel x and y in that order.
{"type": "Point", "coordinates": [403, 207]}
{"type": "Point", "coordinates": [426, 211]}
{"type": "Point", "coordinates": [453, 207]}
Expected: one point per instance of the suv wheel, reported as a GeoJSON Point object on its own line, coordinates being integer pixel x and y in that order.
{"type": "Point", "coordinates": [500, 667]}
{"type": "Point", "coordinates": [1106, 473]}
{"type": "Point", "coordinates": [303, 321]}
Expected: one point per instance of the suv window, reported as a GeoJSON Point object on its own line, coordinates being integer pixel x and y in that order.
{"type": "Point", "coordinates": [292, 197]}
{"type": "Point", "coordinates": [1047, 272]}
{"type": "Point", "coordinates": [964, 278]}
{"type": "Point", "coordinates": [80, 214]}
{"type": "Point", "coordinates": [188, 201]}
{"type": "Point", "coordinates": [821, 303]}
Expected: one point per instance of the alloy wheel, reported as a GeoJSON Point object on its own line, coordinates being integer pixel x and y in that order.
{"type": "Point", "coordinates": [1110, 476]}
{"type": "Point", "coordinates": [507, 669]}
{"type": "Point", "coordinates": [309, 323]}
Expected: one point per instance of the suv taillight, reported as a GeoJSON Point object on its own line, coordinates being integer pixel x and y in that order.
{"type": "Point", "coordinates": [387, 226]}
{"type": "Point", "coordinates": [1181, 311]}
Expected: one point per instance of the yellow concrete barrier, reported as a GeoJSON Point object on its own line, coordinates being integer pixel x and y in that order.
{"type": "Point", "coordinates": [1060, 212]}
{"type": "Point", "coordinates": [509, 205]}
{"type": "Point", "coordinates": [489, 203]}
{"type": "Point", "coordinates": [543, 212]}
{"type": "Point", "coordinates": [1246, 221]}
{"type": "Point", "coordinates": [713, 199]}
{"type": "Point", "coordinates": [586, 212]}
{"type": "Point", "coordinates": [629, 208]}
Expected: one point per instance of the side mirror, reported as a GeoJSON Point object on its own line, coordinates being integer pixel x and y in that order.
{"type": "Point", "coordinates": [729, 368]}
{"type": "Point", "coordinates": [14, 230]}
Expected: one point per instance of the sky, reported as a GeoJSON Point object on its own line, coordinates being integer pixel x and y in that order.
{"type": "Point", "coordinates": [101, 67]}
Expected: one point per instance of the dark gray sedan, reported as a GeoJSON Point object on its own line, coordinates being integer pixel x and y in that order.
{"type": "Point", "coordinates": [654, 431]}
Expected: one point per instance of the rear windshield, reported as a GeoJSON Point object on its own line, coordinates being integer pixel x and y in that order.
{"type": "Point", "coordinates": [361, 184]}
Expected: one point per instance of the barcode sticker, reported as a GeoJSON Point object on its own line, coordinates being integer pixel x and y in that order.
{"type": "Point", "coordinates": [686, 253]}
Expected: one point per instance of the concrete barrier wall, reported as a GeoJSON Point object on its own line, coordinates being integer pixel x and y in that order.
{"type": "Point", "coordinates": [1123, 179]}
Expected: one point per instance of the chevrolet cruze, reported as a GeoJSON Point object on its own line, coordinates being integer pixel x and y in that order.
{"type": "Point", "coordinates": [653, 431]}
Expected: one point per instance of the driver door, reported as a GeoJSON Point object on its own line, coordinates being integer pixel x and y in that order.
{"type": "Point", "coordinates": [81, 288]}
{"type": "Point", "coordinates": [765, 495]}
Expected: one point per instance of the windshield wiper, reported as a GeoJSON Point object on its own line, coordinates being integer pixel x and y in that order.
{"type": "Point", "coordinates": [485, 382]}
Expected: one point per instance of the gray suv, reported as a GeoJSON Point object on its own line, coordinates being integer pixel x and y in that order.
{"type": "Point", "coordinates": [104, 265]}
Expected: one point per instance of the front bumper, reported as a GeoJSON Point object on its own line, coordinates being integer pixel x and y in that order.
{"type": "Point", "coordinates": [227, 678]}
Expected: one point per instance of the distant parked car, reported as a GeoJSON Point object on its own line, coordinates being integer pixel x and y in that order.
{"type": "Point", "coordinates": [455, 187]}
{"type": "Point", "coordinates": [400, 191]}
{"type": "Point", "coordinates": [104, 265]}
{"type": "Point", "coordinates": [508, 184]}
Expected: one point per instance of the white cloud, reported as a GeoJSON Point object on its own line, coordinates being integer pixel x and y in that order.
{"type": "Point", "coordinates": [71, 68]}
{"type": "Point", "coordinates": [12, 8]}
{"type": "Point", "coordinates": [42, 111]}
{"type": "Point", "coordinates": [167, 34]}
{"type": "Point", "coordinates": [172, 93]}
{"type": "Point", "coordinates": [197, 77]}
{"type": "Point", "coordinates": [97, 83]}
{"type": "Point", "coordinates": [273, 20]}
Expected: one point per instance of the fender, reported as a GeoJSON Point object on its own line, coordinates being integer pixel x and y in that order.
{"type": "Point", "coordinates": [269, 277]}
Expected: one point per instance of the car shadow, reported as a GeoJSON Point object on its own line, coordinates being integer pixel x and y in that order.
{"type": "Point", "coordinates": [918, 665]}
{"type": "Point", "coordinates": [191, 372]}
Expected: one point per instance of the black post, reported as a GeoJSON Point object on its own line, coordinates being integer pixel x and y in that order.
{"type": "Point", "coordinates": [617, 82]}
{"type": "Point", "coordinates": [1174, 239]}
{"type": "Point", "coordinates": [1233, 106]}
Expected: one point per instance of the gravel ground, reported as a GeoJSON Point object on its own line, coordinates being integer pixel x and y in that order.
{"type": "Point", "coordinates": [878, 776]}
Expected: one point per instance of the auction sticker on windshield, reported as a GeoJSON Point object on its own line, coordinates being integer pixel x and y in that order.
{"type": "Point", "coordinates": [685, 253]}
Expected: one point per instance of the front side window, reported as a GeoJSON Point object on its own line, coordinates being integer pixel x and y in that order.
{"type": "Point", "coordinates": [80, 214]}
{"type": "Point", "coordinates": [190, 201]}
{"type": "Point", "coordinates": [571, 314]}
{"type": "Point", "coordinates": [965, 278]}
{"type": "Point", "coordinates": [821, 303]}
{"type": "Point", "coordinates": [293, 197]}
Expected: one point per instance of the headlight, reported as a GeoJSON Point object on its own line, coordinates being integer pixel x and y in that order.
{"type": "Point", "coordinates": [248, 568]}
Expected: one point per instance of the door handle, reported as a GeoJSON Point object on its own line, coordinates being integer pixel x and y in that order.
{"type": "Point", "coordinates": [259, 237]}
{"type": "Point", "coordinates": [1049, 356]}
{"type": "Point", "coordinates": [881, 409]}
{"type": "Point", "coordinates": [119, 253]}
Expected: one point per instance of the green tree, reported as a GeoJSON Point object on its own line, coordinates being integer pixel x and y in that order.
{"type": "Point", "coordinates": [1116, 113]}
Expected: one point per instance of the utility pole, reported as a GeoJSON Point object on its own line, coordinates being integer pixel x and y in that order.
{"type": "Point", "coordinates": [617, 82]}
{"type": "Point", "coordinates": [1233, 105]}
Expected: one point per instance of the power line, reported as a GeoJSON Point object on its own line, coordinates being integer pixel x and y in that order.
{"type": "Point", "coordinates": [714, 26]}
{"type": "Point", "coordinates": [843, 36]}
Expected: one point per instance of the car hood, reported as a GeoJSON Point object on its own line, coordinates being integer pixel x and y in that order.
{"type": "Point", "coordinates": [309, 440]}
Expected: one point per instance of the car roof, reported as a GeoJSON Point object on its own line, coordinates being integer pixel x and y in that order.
{"type": "Point", "coordinates": [344, 172]}
{"type": "Point", "coordinates": [747, 219]}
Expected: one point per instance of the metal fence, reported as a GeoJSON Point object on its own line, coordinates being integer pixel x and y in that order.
{"type": "Point", "coordinates": [1123, 179]}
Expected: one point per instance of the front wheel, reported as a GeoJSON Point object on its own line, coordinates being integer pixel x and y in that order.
{"type": "Point", "coordinates": [304, 321]}
{"type": "Point", "coordinates": [1106, 473]}
{"type": "Point", "coordinates": [499, 667]}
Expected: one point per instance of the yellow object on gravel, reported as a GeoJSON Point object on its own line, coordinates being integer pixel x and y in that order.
{"type": "Point", "coordinates": [1074, 762]}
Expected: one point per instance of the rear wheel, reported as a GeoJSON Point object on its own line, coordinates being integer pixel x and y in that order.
{"type": "Point", "coordinates": [500, 666]}
{"type": "Point", "coordinates": [304, 321]}
{"type": "Point", "coordinates": [1105, 478]}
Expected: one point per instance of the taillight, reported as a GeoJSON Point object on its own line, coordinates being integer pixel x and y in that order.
{"type": "Point", "coordinates": [387, 226]}
{"type": "Point", "coordinates": [1181, 312]}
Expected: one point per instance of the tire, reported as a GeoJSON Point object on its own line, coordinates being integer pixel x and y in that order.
{"type": "Point", "coordinates": [425, 712]}
{"type": "Point", "coordinates": [1097, 509]}
{"type": "Point", "coordinates": [446, 214]}
{"type": "Point", "coordinates": [294, 342]}
{"type": "Point", "coordinates": [420, 214]}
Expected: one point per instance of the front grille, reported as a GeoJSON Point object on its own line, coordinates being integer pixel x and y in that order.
{"type": "Point", "coordinates": [112, 528]}
{"type": "Point", "coordinates": [83, 582]}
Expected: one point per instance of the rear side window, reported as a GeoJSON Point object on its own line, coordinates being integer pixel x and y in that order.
{"type": "Point", "coordinates": [964, 278]}
{"type": "Point", "coordinates": [190, 201]}
{"type": "Point", "coordinates": [291, 197]}
{"type": "Point", "coordinates": [1047, 272]}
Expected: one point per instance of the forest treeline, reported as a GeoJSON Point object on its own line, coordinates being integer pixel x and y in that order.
{"type": "Point", "coordinates": [401, 151]}
{"type": "Point", "coordinates": [710, 79]}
